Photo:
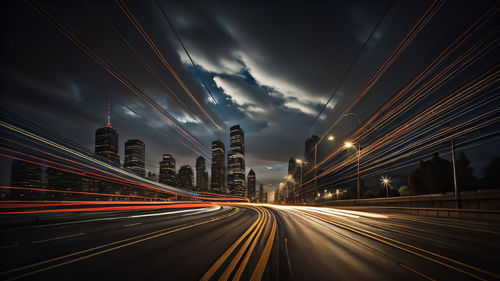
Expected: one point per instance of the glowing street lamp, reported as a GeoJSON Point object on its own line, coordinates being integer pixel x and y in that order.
{"type": "Point", "coordinates": [386, 182]}
{"type": "Point", "coordinates": [330, 138]}
{"type": "Point", "coordinates": [349, 144]}
{"type": "Point", "coordinates": [301, 187]}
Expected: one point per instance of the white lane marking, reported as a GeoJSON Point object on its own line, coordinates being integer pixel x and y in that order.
{"type": "Point", "coordinates": [210, 209]}
{"type": "Point", "coordinates": [147, 236]}
{"type": "Point", "coordinates": [166, 213]}
{"type": "Point", "coordinates": [132, 224]}
{"type": "Point", "coordinates": [57, 238]}
{"type": "Point", "coordinates": [118, 218]}
{"type": "Point", "coordinates": [15, 244]}
{"type": "Point", "coordinates": [327, 212]}
{"type": "Point", "coordinates": [288, 258]}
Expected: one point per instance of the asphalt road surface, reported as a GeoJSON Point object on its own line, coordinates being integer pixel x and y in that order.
{"type": "Point", "coordinates": [247, 242]}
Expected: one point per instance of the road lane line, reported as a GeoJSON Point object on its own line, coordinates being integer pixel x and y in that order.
{"type": "Point", "coordinates": [243, 264]}
{"type": "Point", "coordinates": [173, 212]}
{"type": "Point", "coordinates": [211, 271]}
{"type": "Point", "coordinates": [261, 265]}
{"type": "Point", "coordinates": [416, 272]}
{"type": "Point", "coordinates": [288, 258]}
{"type": "Point", "coordinates": [124, 217]}
{"type": "Point", "coordinates": [15, 244]}
{"type": "Point", "coordinates": [57, 238]}
{"type": "Point", "coordinates": [381, 238]}
{"type": "Point", "coordinates": [161, 231]}
{"type": "Point", "coordinates": [447, 225]}
{"type": "Point", "coordinates": [132, 224]}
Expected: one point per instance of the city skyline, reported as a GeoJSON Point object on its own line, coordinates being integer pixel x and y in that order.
{"type": "Point", "coordinates": [107, 145]}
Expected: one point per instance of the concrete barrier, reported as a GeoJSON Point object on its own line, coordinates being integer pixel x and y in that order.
{"type": "Point", "coordinates": [472, 200]}
{"type": "Point", "coordinates": [479, 215]}
{"type": "Point", "coordinates": [478, 204]}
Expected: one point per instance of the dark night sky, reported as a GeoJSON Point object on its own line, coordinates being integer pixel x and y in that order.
{"type": "Point", "coordinates": [270, 66]}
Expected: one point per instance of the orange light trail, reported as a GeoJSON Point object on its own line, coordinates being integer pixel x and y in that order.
{"type": "Point", "coordinates": [115, 73]}
{"type": "Point", "coordinates": [159, 54]}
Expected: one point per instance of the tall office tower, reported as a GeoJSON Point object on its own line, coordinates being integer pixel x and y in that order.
{"type": "Point", "coordinates": [168, 174]}
{"type": "Point", "coordinates": [106, 141]}
{"type": "Point", "coordinates": [201, 183]}
{"type": "Point", "coordinates": [292, 164]}
{"type": "Point", "coordinates": [291, 179]}
{"type": "Point", "coordinates": [251, 185]}
{"type": "Point", "coordinates": [24, 174]}
{"type": "Point", "coordinates": [261, 193]}
{"type": "Point", "coordinates": [218, 183]}
{"type": "Point", "coordinates": [135, 157]}
{"type": "Point", "coordinates": [185, 180]}
{"type": "Point", "coordinates": [205, 181]}
{"type": "Point", "coordinates": [310, 149]}
{"type": "Point", "coordinates": [264, 197]}
{"type": "Point", "coordinates": [62, 180]}
{"type": "Point", "coordinates": [236, 162]}
{"type": "Point", "coordinates": [310, 157]}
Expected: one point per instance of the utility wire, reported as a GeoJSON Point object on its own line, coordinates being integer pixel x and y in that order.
{"type": "Point", "coordinates": [190, 58]}
{"type": "Point", "coordinates": [350, 67]}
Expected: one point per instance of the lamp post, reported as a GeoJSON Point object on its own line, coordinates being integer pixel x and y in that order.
{"type": "Point", "coordinates": [330, 138]}
{"type": "Point", "coordinates": [300, 186]}
{"type": "Point", "coordinates": [348, 144]}
{"type": "Point", "coordinates": [386, 181]}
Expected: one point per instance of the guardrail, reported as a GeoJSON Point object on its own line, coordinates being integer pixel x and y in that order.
{"type": "Point", "coordinates": [483, 215]}
{"type": "Point", "coordinates": [471, 200]}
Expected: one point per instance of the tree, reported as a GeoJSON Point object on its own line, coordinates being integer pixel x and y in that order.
{"type": "Point", "coordinates": [406, 191]}
{"type": "Point", "coordinates": [465, 173]}
{"type": "Point", "coordinates": [491, 172]}
{"type": "Point", "coordinates": [432, 176]}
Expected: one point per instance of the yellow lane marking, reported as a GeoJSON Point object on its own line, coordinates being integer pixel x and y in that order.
{"type": "Point", "coordinates": [161, 233]}
{"type": "Point", "coordinates": [261, 265]}
{"type": "Point", "coordinates": [244, 263]}
{"type": "Point", "coordinates": [211, 271]}
{"type": "Point", "coordinates": [241, 251]}
{"type": "Point", "coordinates": [380, 239]}
{"type": "Point", "coordinates": [434, 254]}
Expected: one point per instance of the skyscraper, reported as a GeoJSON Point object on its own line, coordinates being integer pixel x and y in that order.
{"type": "Point", "coordinates": [168, 174]}
{"type": "Point", "coordinates": [106, 141]}
{"type": "Point", "coordinates": [261, 193]}
{"type": "Point", "coordinates": [135, 156]}
{"type": "Point", "coordinates": [291, 180]}
{"type": "Point", "coordinates": [310, 149]}
{"type": "Point", "coordinates": [218, 183]}
{"type": "Point", "coordinates": [201, 182]}
{"type": "Point", "coordinates": [251, 185]}
{"type": "Point", "coordinates": [205, 181]}
{"type": "Point", "coordinates": [310, 155]}
{"type": "Point", "coordinates": [25, 174]}
{"type": "Point", "coordinates": [62, 180]}
{"type": "Point", "coordinates": [236, 162]}
{"type": "Point", "coordinates": [185, 179]}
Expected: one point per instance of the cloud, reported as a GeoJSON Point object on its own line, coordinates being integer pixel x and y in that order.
{"type": "Point", "coordinates": [237, 94]}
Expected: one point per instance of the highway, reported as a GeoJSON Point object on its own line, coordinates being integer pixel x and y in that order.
{"type": "Point", "coordinates": [236, 241]}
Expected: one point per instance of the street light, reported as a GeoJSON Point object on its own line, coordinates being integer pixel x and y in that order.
{"type": "Point", "coordinates": [349, 144]}
{"type": "Point", "coordinates": [301, 187]}
{"type": "Point", "coordinates": [330, 138]}
{"type": "Point", "coordinates": [386, 181]}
